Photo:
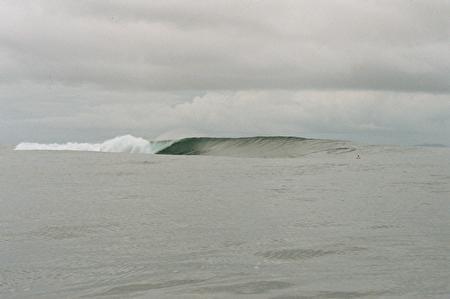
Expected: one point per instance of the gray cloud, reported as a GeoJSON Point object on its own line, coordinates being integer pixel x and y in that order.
{"type": "Point", "coordinates": [168, 45]}
{"type": "Point", "coordinates": [367, 70]}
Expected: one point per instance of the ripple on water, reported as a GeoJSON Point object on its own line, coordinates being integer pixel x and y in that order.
{"type": "Point", "coordinates": [142, 287]}
{"type": "Point", "coordinates": [303, 254]}
{"type": "Point", "coordinates": [62, 232]}
{"type": "Point", "coordinates": [248, 288]}
{"type": "Point", "coordinates": [335, 295]}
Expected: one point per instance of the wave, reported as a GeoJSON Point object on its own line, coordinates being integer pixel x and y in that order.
{"type": "Point", "coordinates": [264, 147]}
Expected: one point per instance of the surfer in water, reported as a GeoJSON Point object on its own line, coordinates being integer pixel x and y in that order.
{"type": "Point", "coordinates": [358, 157]}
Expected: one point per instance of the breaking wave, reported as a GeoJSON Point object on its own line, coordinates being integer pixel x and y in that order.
{"type": "Point", "coordinates": [120, 144]}
{"type": "Point", "coordinates": [267, 147]}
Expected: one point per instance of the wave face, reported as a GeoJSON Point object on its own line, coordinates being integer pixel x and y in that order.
{"type": "Point", "coordinates": [264, 147]}
{"type": "Point", "coordinates": [120, 144]}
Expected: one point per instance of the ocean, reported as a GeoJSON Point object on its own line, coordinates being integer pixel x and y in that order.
{"type": "Point", "coordinates": [262, 217]}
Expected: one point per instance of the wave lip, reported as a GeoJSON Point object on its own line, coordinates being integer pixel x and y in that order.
{"type": "Point", "coordinates": [263, 147]}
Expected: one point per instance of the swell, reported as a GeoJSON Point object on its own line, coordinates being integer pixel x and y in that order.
{"type": "Point", "coordinates": [264, 147]}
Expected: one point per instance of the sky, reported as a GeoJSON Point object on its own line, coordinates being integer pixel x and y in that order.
{"type": "Point", "coordinates": [89, 70]}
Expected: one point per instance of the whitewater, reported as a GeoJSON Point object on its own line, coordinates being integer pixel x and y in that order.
{"type": "Point", "coordinates": [119, 144]}
{"type": "Point", "coordinates": [252, 217]}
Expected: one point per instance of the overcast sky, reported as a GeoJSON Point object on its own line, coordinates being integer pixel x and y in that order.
{"type": "Point", "coordinates": [370, 71]}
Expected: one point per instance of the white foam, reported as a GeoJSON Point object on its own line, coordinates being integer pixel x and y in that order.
{"type": "Point", "coordinates": [120, 144]}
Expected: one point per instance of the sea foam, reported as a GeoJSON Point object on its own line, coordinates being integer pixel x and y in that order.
{"type": "Point", "coordinates": [120, 144]}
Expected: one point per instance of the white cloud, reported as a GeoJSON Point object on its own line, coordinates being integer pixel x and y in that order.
{"type": "Point", "coordinates": [363, 116]}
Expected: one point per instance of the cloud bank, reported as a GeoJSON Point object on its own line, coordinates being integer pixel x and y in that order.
{"type": "Point", "coordinates": [371, 70]}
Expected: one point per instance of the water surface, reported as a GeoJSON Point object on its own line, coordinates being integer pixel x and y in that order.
{"type": "Point", "coordinates": [325, 225]}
